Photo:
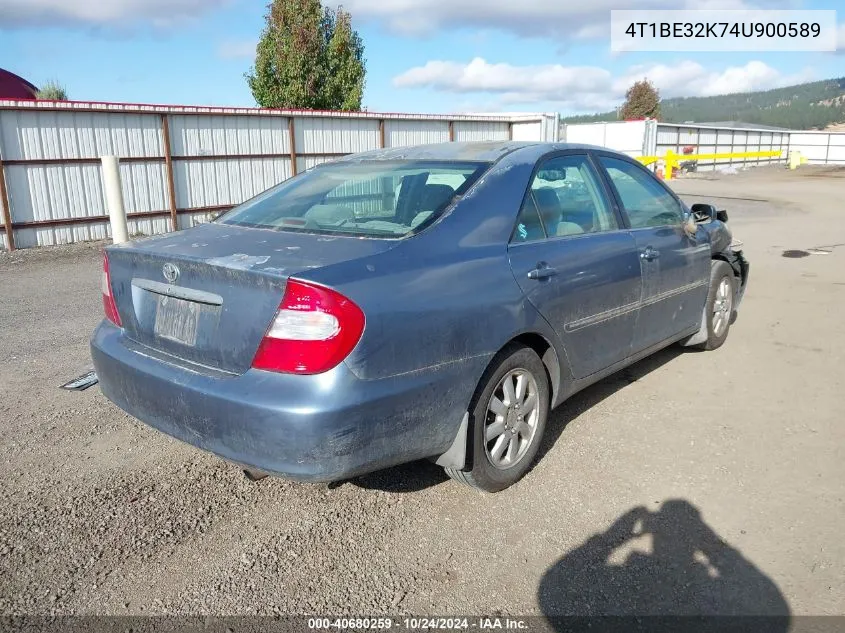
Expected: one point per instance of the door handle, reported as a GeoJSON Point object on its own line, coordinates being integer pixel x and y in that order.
{"type": "Point", "coordinates": [543, 271]}
{"type": "Point", "coordinates": [650, 253]}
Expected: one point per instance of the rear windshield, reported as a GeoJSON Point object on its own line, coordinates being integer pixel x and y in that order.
{"type": "Point", "coordinates": [374, 199]}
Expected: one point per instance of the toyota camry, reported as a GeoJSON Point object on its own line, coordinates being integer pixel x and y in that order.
{"type": "Point", "coordinates": [424, 302]}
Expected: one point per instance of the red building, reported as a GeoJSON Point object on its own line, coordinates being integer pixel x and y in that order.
{"type": "Point", "coordinates": [14, 87]}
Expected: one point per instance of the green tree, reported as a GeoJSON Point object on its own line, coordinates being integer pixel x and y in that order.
{"type": "Point", "coordinates": [345, 64]}
{"type": "Point", "coordinates": [53, 91]}
{"type": "Point", "coordinates": [308, 57]}
{"type": "Point", "coordinates": [641, 101]}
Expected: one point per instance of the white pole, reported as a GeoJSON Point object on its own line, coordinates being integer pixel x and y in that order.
{"type": "Point", "coordinates": [114, 199]}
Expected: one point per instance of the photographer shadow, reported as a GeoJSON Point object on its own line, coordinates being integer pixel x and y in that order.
{"type": "Point", "coordinates": [669, 564]}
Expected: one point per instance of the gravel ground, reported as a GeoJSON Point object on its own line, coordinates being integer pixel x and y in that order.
{"type": "Point", "coordinates": [691, 482]}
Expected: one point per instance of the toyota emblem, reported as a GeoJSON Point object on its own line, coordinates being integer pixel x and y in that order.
{"type": "Point", "coordinates": [171, 272]}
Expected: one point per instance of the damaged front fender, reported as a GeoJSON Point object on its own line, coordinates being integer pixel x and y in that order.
{"type": "Point", "coordinates": [741, 268]}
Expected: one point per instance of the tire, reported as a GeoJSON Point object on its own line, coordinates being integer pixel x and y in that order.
{"type": "Point", "coordinates": [719, 306]}
{"type": "Point", "coordinates": [515, 437]}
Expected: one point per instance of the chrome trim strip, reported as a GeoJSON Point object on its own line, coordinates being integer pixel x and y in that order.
{"type": "Point", "coordinates": [572, 326]}
{"type": "Point", "coordinates": [579, 324]}
{"type": "Point", "coordinates": [169, 290]}
{"type": "Point", "coordinates": [674, 292]}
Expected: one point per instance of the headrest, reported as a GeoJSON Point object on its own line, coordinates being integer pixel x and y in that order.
{"type": "Point", "coordinates": [435, 196]}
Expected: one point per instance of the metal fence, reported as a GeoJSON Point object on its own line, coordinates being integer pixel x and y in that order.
{"type": "Point", "coordinates": [819, 147]}
{"type": "Point", "coordinates": [692, 139]}
{"type": "Point", "coordinates": [650, 138]}
{"type": "Point", "coordinates": [628, 137]}
{"type": "Point", "coordinates": [180, 165]}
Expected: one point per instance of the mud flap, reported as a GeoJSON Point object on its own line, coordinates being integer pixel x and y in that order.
{"type": "Point", "coordinates": [700, 336]}
{"type": "Point", "coordinates": [456, 456]}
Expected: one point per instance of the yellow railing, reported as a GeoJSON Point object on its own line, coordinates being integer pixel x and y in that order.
{"type": "Point", "coordinates": [672, 160]}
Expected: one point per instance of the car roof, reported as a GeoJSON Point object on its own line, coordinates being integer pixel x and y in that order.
{"type": "Point", "coordinates": [487, 151]}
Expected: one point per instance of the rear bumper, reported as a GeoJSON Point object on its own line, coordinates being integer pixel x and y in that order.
{"type": "Point", "coordinates": [319, 428]}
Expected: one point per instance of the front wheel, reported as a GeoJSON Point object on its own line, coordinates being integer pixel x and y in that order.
{"type": "Point", "coordinates": [508, 419]}
{"type": "Point", "coordinates": [719, 307]}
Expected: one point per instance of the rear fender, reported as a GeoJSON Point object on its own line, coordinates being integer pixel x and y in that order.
{"type": "Point", "coordinates": [557, 366]}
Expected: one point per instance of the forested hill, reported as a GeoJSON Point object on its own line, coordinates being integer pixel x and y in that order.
{"type": "Point", "coordinates": [805, 106]}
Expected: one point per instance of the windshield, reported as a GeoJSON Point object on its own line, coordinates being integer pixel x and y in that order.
{"type": "Point", "coordinates": [375, 199]}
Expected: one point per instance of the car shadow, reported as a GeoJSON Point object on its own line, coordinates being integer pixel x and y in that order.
{"type": "Point", "coordinates": [423, 474]}
{"type": "Point", "coordinates": [661, 566]}
{"type": "Point", "coordinates": [411, 477]}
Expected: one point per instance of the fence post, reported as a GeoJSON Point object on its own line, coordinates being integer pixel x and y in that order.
{"type": "Point", "coordinates": [670, 163]}
{"type": "Point", "coordinates": [652, 129]}
{"type": "Point", "coordinates": [292, 142]}
{"type": "Point", "coordinates": [7, 210]}
{"type": "Point", "coordinates": [114, 199]}
{"type": "Point", "coordinates": [733, 146]}
{"type": "Point", "coordinates": [168, 168]}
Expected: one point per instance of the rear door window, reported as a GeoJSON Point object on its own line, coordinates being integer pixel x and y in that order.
{"type": "Point", "coordinates": [529, 228]}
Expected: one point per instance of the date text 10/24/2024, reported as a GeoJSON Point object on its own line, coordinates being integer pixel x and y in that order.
{"type": "Point", "coordinates": [419, 624]}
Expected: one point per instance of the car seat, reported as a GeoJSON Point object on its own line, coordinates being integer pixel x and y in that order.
{"type": "Point", "coordinates": [548, 204]}
{"type": "Point", "coordinates": [433, 197]}
{"type": "Point", "coordinates": [569, 228]}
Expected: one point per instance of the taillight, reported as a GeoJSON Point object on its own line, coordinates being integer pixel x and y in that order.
{"type": "Point", "coordinates": [109, 306]}
{"type": "Point", "coordinates": [314, 329]}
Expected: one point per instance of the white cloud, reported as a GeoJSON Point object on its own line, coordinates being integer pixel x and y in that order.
{"type": "Point", "coordinates": [39, 13]}
{"type": "Point", "coordinates": [237, 49]}
{"type": "Point", "coordinates": [840, 39]}
{"type": "Point", "coordinates": [691, 79]}
{"type": "Point", "coordinates": [589, 88]}
{"type": "Point", "coordinates": [481, 76]}
{"type": "Point", "coordinates": [529, 18]}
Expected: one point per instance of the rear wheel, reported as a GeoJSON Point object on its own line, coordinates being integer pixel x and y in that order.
{"type": "Point", "coordinates": [508, 419]}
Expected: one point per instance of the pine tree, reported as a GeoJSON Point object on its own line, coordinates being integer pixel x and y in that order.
{"type": "Point", "coordinates": [308, 57]}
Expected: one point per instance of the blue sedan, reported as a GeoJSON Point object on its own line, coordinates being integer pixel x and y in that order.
{"type": "Point", "coordinates": [427, 302]}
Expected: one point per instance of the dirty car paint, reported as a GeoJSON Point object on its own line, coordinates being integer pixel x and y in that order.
{"type": "Point", "coordinates": [438, 305]}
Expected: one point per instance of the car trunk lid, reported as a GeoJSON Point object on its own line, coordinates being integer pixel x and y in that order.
{"type": "Point", "coordinates": [208, 294]}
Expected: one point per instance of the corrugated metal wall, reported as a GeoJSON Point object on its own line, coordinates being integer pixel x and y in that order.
{"type": "Point", "coordinates": [694, 139]}
{"type": "Point", "coordinates": [189, 163]}
{"type": "Point", "coordinates": [52, 171]}
{"type": "Point", "coordinates": [400, 133]}
{"type": "Point", "coordinates": [627, 137]}
{"type": "Point", "coordinates": [820, 147]}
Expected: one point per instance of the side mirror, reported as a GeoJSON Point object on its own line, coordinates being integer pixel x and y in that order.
{"type": "Point", "coordinates": [707, 213]}
{"type": "Point", "coordinates": [702, 212]}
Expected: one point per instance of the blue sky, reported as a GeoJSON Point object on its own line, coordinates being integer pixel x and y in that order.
{"type": "Point", "coordinates": [422, 56]}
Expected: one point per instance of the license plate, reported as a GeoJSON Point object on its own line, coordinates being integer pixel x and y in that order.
{"type": "Point", "coordinates": [177, 320]}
